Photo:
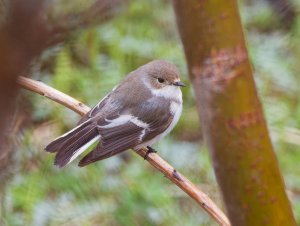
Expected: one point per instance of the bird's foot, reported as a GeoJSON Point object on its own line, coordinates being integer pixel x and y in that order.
{"type": "Point", "coordinates": [150, 150]}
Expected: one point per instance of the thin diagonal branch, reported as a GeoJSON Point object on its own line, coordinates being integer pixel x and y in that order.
{"type": "Point", "coordinates": [154, 159]}
{"type": "Point", "coordinates": [53, 94]}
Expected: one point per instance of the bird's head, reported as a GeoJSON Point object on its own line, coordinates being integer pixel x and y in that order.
{"type": "Point", "coordinates": [160, 74]}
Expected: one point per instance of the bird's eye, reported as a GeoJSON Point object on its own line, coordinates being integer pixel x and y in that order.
{"type": "Point", "coordinates": [161, 80]}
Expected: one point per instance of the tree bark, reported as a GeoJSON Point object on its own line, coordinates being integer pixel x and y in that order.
{"type": "Point", "coordinates": [22, 37]}
{"type": "Point", "coordinates": [231, 113]}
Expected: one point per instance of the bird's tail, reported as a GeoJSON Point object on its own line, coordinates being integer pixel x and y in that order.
{"type": "Point", "coordinates": [73, 143]}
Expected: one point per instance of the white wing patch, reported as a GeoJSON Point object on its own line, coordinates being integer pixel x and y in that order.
{"type": "Point", "coordinates": [123, 119]}
{"type": "Point", "coordinates": [142, 135]}
{"type": "Point", "coordinates": [139, 123]}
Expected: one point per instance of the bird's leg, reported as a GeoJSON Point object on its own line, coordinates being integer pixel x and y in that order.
{"type": "Point", "coordinates": [150, 150]}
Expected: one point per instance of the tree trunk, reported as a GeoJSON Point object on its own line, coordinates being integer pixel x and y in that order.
{"type": "Point", "coordinates": [231, 114]}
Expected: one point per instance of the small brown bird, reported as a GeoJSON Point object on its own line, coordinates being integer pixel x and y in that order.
{"type": "Point", "coordinates": [141, 110]}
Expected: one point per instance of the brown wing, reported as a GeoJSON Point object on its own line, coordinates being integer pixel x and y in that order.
{"type": "Point", "coordinates": [113, 141]}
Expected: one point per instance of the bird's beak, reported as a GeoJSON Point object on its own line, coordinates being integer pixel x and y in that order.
{"type": "Point", "coordinates": [179, 83]}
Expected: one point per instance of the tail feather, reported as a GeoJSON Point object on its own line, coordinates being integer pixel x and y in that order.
{"type": "Point", "coordinates": [73, 143]}
{"type": "Point", "coordinates": [55, 145]}
{"type": "Point", "coordinates": [62, 159]}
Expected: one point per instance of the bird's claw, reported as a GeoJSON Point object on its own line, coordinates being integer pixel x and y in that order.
{"type": "Point", "coordinates": [150, 150]}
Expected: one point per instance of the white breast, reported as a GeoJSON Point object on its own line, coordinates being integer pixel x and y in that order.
{"type": "Point", "coordinates": [176, 109]}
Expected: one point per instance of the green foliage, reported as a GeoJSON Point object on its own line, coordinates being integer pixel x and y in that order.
{"type": "Point", "coordinates": [125, 190]}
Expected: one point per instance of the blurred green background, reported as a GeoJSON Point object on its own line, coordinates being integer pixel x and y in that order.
{"type": "Point", "coordinates": [126, 190]}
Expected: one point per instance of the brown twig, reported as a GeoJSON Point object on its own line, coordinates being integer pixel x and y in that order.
{"type": "Point", "coordinates": [53, 94]}
{"type": "Point", "coordinates": [154, 159]}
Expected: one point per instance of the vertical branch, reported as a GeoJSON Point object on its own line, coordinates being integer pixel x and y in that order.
{"type": "Point", "coordinates": [231, 114]}
{"type": "Point", "coordinates": [22, 38]}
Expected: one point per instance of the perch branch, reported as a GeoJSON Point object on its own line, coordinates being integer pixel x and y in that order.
{"type": "Point", "coordinates": [53, 94]}
{"type": "Point", "coordinates": [155, 160]}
